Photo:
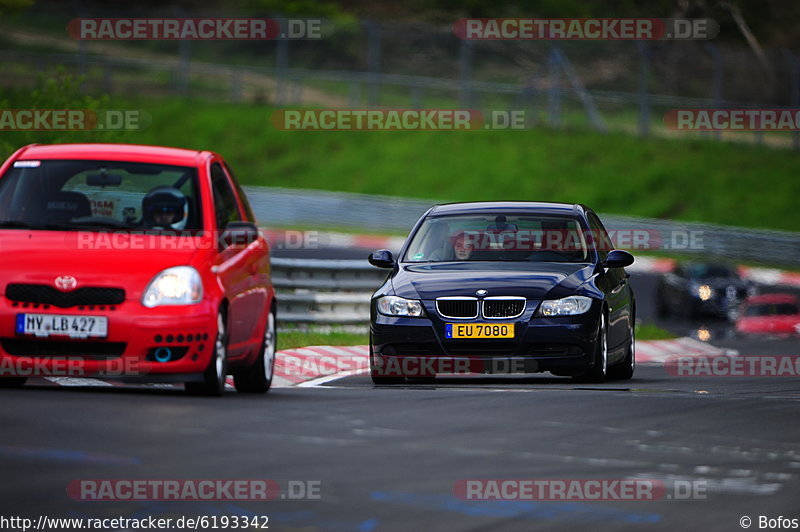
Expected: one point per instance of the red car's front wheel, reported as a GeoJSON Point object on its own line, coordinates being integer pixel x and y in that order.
{"type": "Point", "coordinates": [213, 382]}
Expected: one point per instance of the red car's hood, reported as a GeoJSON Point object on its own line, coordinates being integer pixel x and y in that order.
{"type": "Point", "coordinates": [93, 259]}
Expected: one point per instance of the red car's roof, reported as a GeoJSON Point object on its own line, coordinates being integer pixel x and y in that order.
{"type": "Point", "coordinates": [771, 298]}
{"type": "Point", "coordinates": [113, 152]}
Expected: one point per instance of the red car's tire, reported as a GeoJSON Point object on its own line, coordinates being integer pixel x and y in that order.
{"type": "Point", "coordinates": [213, 383]}
{"type": "Point", "coordinates": [258, 377]}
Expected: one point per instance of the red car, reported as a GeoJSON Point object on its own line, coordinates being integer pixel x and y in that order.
{"type": "Point", "coordinates": [770, 314]}
{"type": "Point", "coordinates": [137, 263]}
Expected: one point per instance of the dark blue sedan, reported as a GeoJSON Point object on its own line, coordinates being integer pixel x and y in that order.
{"type": "Point", "coordinates": [504, 287]}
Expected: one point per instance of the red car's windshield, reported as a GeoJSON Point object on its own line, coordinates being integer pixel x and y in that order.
{"type": "Point", "coordinates": [99, 195]}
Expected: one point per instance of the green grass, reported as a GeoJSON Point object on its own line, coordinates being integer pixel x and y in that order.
{"type": "Point", "coordinates": [692, 180]}
{"type": "Point", "coordinates": [302, 338]}
{"type": "Point", "coordinates": [650, 331]}
{"type": "Point", "coordinates": [686, 180]}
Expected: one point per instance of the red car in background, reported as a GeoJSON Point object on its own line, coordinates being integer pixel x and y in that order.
{"type": "Point", "coordinates": [134, 263]}
{"type": "Point", "coordinates": [777, 314]}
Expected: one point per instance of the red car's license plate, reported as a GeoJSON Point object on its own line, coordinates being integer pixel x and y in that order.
{"type": "Point", "coordinates": [44, 325]}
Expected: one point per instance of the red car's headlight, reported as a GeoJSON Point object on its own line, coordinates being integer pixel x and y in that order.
{"type": "Point", "coordinates": [180, 285]}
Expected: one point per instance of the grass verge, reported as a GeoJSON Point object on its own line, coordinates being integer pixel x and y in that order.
{"type": "Point", "coordinates": [291, 339]}
{"type": "Point", "coordinates": [692, 180]}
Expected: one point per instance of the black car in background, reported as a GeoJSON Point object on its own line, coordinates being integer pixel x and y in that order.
{"type": "Point", "coordinates": [504, 287]}
{"type": "Point", "coordinates": [702, 288]}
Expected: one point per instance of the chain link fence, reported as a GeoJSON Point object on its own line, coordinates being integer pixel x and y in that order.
{"type": "Point", "coordinates": [601, 85]}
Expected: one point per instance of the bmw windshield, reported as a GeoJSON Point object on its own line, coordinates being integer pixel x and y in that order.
{"type": "Point", "coordinates": [498, 237]}
{"type": "Point", "coordinates": [99, 195]}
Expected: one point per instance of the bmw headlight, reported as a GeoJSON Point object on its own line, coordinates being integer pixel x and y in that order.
{"type": "Point", "coordinates": [568, 306]}
{"type": "Point", "coordinates": [180, 285]}
{"type": "Point", "coordinates": [398, 306]}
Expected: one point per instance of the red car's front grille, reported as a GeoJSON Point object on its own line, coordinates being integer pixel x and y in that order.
{"type": "Point", "coordinates": [48, 295]}
{"type": "Point", "coordinates": [52, 349]}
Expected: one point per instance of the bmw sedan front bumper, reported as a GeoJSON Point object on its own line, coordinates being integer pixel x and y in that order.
{"type": "Point", "coordinates": [411, 347]}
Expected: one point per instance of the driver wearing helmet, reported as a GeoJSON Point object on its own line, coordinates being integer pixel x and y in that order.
{"type": "Point", "coordinates": [165, 207]}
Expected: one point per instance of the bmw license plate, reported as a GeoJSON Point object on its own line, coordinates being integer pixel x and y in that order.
{"type": "Point", "coordinates": [44, 325]}
{"type": "Point", "coordinates": [479, 330]}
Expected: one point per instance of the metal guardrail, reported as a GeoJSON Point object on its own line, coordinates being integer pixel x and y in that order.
{"type": "Point", "coordinates": [338, 291]}
{"type": "Point", "coordinates": [316, 208]}
{"type": "Point", "coordinates": [325, 291]}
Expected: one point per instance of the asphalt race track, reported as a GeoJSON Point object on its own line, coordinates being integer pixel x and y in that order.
{"type": "Point", "coordinates": [389, 458]}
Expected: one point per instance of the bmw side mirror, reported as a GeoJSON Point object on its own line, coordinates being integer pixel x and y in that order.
{"type": "Point", "coordinates": [382, 258]}
{"type": "Point", "coordinates": [239, 233]}
{"type": "Point", "coordinates": [617, 258]}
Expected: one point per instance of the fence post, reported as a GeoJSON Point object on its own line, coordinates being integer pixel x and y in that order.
{"type": "Point", "coordinates": [108, 84]}
{"type": "Point", "coordinates": [236, 84]}
{"type": "Point", "coordinates": [281, 64]}
{"type": "Point", "coordinates": [81, 49]}
{"type": "Point", "coordinates": [416, 96]}
{"type": "Point", "coordinates": [373, 62]}
{"type": "Point", "coordinates": [184, 51]}
{"type": "Point", "coordinates": [719, 73]}
{"type": "Point", "coordinates": [644, 88]}
{"type": "Point", "coordinates": [580, 90]}
{"type": "Point", "coordinates": [354, 95]}
{"type": "Point", "coordinates": [794, 87]}
{"type": "Point", "coordinates": [465, 54]}
{"type": "Point", "coordinates": [554, 90]}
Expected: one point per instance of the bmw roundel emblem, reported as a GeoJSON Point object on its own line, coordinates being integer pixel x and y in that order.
{"type": "Point", "coordinates": [481, 292]}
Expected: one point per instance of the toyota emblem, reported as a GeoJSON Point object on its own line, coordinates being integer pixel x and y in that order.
{"type": "Point", "coordinates": [65, 283]}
